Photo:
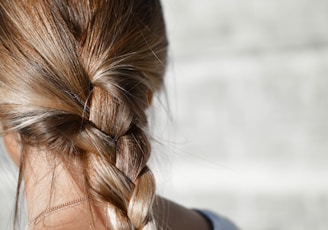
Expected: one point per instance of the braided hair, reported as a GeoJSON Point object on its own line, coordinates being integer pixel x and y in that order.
{"type": "Point", "coordinates": [75, 78]}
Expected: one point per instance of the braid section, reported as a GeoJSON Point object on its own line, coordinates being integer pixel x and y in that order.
{"type": "Point", "coordinates": [139, 210]}
{"type": "Point", "coordinates": [120, 176]}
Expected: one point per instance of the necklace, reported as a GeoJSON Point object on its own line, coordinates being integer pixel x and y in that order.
{"type": "Point", "coordinates": [57, 208]}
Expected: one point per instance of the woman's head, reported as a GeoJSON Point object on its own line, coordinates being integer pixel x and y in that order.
{"type": "Point", "coordinates": [75, 80]}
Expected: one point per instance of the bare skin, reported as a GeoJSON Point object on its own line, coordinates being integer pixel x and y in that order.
{"type": "Point", "coordinates": [38, 187]}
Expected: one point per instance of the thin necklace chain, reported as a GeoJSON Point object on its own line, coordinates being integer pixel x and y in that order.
{"type": "Point", "coordinates": [57, 208]}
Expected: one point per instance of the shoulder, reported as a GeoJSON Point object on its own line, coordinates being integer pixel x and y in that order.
{"type": "Point", "coordinates": [176, 217]}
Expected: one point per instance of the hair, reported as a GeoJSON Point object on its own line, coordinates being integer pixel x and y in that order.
{"type": "Point", "coordinates": [75, 78]}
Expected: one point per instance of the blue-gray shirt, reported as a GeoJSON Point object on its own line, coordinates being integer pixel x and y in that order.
{"type": "Point", "coordinates": [218, 222]}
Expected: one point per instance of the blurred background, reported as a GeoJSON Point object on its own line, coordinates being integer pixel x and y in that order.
{"type": "Point", "coordinates": [248, 90]}
{"type": "Point", "coordinates": [245, 130]}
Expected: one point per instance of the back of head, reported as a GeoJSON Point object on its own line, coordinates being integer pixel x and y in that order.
{"type": "Point", "coordinates": [75, 79]}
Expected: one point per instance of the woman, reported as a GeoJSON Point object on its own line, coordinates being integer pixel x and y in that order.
{"type": "Point", "coordinates": [76, 79]}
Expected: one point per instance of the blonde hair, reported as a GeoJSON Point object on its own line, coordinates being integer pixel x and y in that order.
{"type": "Point", "coordinates": [75, 78]}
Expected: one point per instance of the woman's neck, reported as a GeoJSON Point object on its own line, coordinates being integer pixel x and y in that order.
{"type": "Point", "coordinates": [48, 184]}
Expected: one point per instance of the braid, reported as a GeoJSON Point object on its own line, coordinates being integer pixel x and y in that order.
{"type": "Point", "coordinates": [85, 97]}
{"type": "Point", "coordinates": [121, 176]}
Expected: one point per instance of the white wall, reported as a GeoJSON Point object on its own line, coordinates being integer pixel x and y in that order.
{"type": "Point", "coordinates": [250, 99]}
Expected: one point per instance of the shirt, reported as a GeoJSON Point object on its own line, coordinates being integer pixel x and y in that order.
{"type": "Point", "coordinates": [217, 222]}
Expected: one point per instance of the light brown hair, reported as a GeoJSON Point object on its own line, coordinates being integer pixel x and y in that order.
{"type": "Point", "coordinates": [74, 79]}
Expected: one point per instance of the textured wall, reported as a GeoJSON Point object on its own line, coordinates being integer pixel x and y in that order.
{"type": "Point", "coordinates": [250, 92]}
{"type": "Point", "coordinates": [247, 88]}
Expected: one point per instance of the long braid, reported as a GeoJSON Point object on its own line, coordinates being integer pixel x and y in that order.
{"type": "Point", "coordinates": [134, 187]}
